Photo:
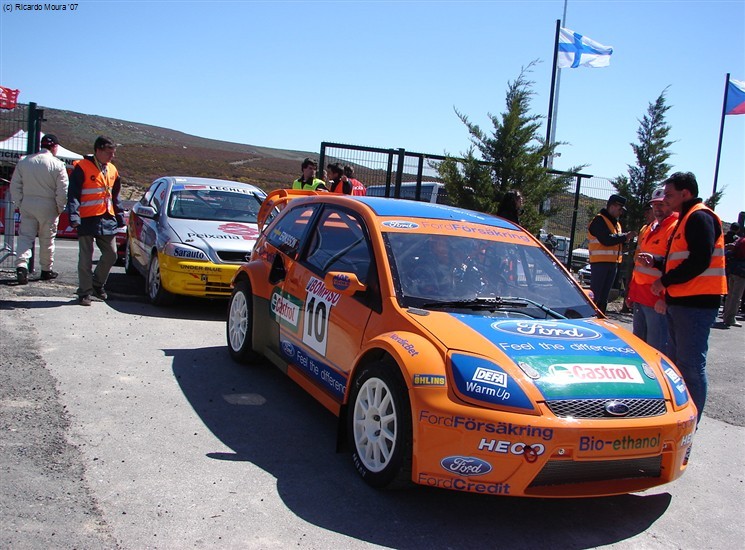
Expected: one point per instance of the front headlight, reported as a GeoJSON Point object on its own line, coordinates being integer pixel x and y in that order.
{"type": "Point", "coordinates": [185, 252]}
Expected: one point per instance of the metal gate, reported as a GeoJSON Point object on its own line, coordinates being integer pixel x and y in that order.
{"type": "Point", "coordinates": [571, 211]}
{"type": "Point", "coordinates": [19, 135]}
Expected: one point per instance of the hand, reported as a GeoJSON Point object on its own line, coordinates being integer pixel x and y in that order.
{"type": "Point", "coordinates": [645, 259]}
{"type": "Point", "coordinates": [660, 307]}
{"type": "Point", "coordinates": [630, 236]}
{"type": "Point", "coordinates": [657, 288]}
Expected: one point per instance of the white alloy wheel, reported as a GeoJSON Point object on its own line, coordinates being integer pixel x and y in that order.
{"type": "Point", "coordinates": [375, 424]}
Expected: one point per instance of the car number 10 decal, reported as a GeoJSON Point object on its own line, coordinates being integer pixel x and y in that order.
{"type": "Point", "coordinates": [318, 304]}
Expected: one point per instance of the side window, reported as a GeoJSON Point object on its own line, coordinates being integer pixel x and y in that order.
{"type": "Point", "coordinates": [289, 232]}
{"type": "Point", "coordinates": [155, 188]}
{"type": "Point", "coordinates": [338, 243]}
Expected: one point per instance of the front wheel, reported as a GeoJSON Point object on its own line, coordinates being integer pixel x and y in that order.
{"type": "Point", "coordinates": [240, 324]}
{"type": "Point", "coordinates": [129, 267]}
{"type": "Point", "coordinates": [158, 295]}
{"type": "Point", "coordinates": [379, 425]}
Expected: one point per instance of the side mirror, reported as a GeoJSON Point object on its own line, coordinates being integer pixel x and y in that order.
{"type": "Point", "coordinates": [145, 211]}
{"type": "Point", "coordinates": [343, 283]}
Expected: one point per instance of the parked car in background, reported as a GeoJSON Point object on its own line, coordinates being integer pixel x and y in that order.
{"type": "Point", "coordinates": [188, 236]}
{"type": "Point", "coordinates": [580, 256]}
{"type": "Point", "coordinates": [66, 231]}
{"type": "Point", "coordinates": [431, 191]}
{"type": "Point", "coordinates": [455, 351]}
{"type": "Point", "coordinates": [585, 275]}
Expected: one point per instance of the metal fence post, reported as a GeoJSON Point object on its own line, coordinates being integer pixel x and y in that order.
{"type": "Point", "coordinates": [575, 209]}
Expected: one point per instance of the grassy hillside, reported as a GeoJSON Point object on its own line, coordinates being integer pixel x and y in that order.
{"type": "Point", "coordinates": [147, 152]}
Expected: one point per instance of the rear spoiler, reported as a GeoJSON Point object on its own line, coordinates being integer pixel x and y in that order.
{"type": "Point", "coordinates": [278, 199]}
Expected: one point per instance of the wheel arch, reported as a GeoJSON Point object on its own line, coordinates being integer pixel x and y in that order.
{"type": "Point", "coordinates": [406, 354]}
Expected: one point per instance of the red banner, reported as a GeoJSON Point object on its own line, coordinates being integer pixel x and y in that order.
{"type": "Point", "coordinates": [8, 98]}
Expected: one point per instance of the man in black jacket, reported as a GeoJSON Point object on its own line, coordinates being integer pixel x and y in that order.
{"type": "Point", "coordinates": [693, 282]}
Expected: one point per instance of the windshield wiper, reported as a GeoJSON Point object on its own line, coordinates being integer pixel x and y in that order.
{"type": "Point", "coordinates": [493, 303]}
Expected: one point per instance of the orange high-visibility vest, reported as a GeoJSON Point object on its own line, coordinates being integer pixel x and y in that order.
{"type": "Point", "coordinates": [654, 242]}
{"type": "Point", "coordinates": [96, 195]}
{"type": "Point", "coordinates": [713, 280]}
{"type": "Point", "coordinates": [601, 253]}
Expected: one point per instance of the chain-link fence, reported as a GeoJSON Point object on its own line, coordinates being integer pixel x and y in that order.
{"type": "Point", "coordinates": [19, 135]}
{"type": "Point", "coordinates": [569, 212]}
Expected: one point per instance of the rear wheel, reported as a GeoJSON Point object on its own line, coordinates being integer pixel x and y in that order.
{"type": "Point", "coordinates": [240, 323]}
{"type": "Point", "coordinates": [158, 295]}
{"type": "Point", "coordinates": [379, 426]}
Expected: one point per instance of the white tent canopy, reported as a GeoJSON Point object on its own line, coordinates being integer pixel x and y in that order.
{"type": "Point", "coordinates": [13, 148]}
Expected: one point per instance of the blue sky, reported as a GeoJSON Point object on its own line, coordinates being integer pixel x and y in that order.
{"type": "Point", "coordinates": [390, 73]}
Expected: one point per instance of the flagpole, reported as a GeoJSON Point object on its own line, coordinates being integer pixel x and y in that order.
{"type": "Point", "coordinates": [555, 114]}
{"type": "Point", "coordinates": [548, 160]}
{"type": "Point", "coordinates": [721, 133]}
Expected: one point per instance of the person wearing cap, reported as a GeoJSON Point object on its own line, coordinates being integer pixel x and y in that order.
{"type": "Point", "coordinates": [95, 210]}
{"type": "Point", "coordinates": [308, 179]}
{"type": "Point", "coordinates": [606, 242]}
{"type": "Point", "coordinates": [648, 324]}
{"type": "Point", "coordinates": [39, 189]}
{"type": "Point", "coordinates": [693, 281]}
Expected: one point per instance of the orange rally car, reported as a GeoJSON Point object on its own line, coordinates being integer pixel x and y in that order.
{"type": "Point", "coordinates": [456, 352]}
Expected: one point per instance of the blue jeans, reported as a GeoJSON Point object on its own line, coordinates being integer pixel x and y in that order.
{"type": "Point", "coordinates": [651, 327]}
{"type": "Point", "coordinates": [689, 329]}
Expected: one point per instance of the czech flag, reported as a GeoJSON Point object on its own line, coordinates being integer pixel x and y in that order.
{"type": "Point", "coordinates": [735, 98]}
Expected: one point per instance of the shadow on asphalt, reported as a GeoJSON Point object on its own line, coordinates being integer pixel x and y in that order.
{"type": "Point", "coordinates": [270, 422]}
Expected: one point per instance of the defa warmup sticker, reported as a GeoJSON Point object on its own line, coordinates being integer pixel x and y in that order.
{"type": "Point", "coordinates": [679, 387]}
{"type": "Point", "coordinates": [482, 380]}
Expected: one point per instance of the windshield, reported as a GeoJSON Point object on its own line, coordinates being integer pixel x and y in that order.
{"type": "Point", "coordinates": [457, 271]}
{"type": "Point", "coordinates": [214, 204]}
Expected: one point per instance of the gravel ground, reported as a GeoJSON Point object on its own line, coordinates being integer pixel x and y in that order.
{"type": "Point", "coordinates": [44, 502]}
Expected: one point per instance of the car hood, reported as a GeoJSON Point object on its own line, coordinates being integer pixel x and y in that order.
{"type": "Point", "coordinates": [562, 359]}
{"type": "Point", "coordinates": [235, 236]}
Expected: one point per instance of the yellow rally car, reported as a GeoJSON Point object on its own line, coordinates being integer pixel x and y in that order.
{"type": "Point", "coordinates": [455, 350]}
{"type": "Point", "coordinates": [188, 236]}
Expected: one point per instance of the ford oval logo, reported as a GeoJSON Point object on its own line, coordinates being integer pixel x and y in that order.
{"type": "Point", "coordinates": [400, 224]}
{"type": "Point", "coordinates": [616, 408]}
{"type": "Point", "coordinates": [288, 348]}
{"type": "Point", "coordinates": [466, 465]}
{"type": "Point", "coordinates": [547, 329]}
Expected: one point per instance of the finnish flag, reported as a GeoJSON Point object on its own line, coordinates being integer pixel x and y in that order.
{"type": "Point", "coordinates": [576, 50]}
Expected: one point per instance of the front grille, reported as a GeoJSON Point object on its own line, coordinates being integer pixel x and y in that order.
{"type": "Point", "coordinates": [563, 472]}
{"type": "Point", "coordinates": [217, 288]}
{"type": "Point", "coordinates": [595, 408]}
{"type": "Point", "coordinates": [233, 256]}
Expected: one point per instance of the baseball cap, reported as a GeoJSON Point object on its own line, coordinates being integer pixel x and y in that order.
{"type": "Point", "coordinates": [658, 195]}
{"type": "Point", "coordinates": [618, 199]}
{"type": "Point", "coordinates": [48, 140]}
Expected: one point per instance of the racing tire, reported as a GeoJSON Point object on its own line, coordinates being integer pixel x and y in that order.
{"type": "Point", "coordinates": [379, 426]}
{"type": "Point", "coordinates": [157, 295]}
{"type": "Point", "coordinates": [129, 267]}
{"type": "Point", "coordinates": [239, 326]}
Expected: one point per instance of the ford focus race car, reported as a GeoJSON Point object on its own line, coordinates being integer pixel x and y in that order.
{"type": "Point", "coordinates": [456, 351]}
{"type": "Point", "coordinates": [188, 236]}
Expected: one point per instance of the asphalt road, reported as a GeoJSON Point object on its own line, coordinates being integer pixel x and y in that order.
{"type": "Point", "coordinates": [128, 426]}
